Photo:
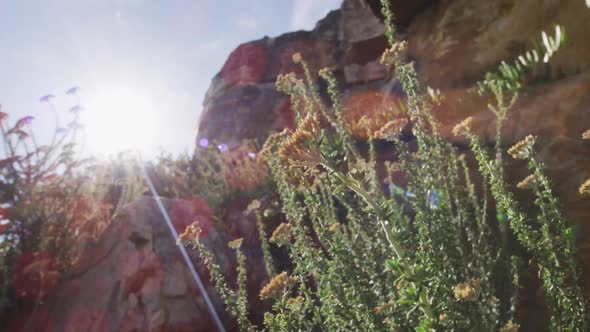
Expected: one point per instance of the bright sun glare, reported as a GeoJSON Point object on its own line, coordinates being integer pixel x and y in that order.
{"type": "Point", "coordinates": [120, 119]}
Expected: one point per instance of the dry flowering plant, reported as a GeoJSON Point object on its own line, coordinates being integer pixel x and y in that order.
{"type": "Point", "coordinates": [427, 254]}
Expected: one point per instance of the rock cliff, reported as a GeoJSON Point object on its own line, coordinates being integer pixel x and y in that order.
{"type": "Point", "coordinates": [133, 278]}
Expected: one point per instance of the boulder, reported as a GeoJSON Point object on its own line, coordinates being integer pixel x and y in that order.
{"type": "Point", "coordinates": [135, 279]}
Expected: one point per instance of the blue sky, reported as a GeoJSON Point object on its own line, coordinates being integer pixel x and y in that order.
{"type": "Point", "coordinates": [155, 55]}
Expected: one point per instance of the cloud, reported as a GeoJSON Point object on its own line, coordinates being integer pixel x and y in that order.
{"type": "Point", "coordinates": [306, 13]}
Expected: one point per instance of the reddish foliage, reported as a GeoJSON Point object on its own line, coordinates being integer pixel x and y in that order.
{"type": "Point", "coordinates": [246, 65]}
{"type": "Point", "coordinates": [35, 275]}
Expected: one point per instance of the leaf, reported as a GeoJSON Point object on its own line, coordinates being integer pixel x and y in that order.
{"type": "Point", "coordinates": [546, 41]}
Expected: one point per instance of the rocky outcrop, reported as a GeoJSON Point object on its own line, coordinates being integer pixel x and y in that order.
{"type": "Point", "coordinates": [453, 43]}
{"type": "Point", "coordinates": [134, 278]}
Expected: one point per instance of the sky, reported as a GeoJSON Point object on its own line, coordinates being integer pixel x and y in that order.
{"type": "Point", "coordinates": [142, 66]}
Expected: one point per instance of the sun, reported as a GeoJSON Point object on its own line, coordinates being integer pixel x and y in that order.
{"type": "Point", "coordinates": [119, 119]}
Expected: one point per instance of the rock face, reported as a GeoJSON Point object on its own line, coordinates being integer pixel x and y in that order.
{"type": "Point", "coordinates": [134, 278]}
{"type": "Point", "coordinates": [453, 44]}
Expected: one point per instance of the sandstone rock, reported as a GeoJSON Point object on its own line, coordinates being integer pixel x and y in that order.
{"type": "Point", "coordinates": [453, 43]}
{"type": "Point", "coordinates": [139, 281]}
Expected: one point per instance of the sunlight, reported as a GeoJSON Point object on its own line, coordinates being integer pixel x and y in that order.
{"type": "Point", "coordinates": [120, 119]}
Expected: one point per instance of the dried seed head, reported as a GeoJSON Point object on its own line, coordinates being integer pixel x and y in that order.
{"type": "Point", "coordinates": [334, 227]}
{"type": "Point", "coordinates": [586, 134]}
{"type": "Point", "coordinates": [278, 286]}
{"type": "Point", "coordinates": [235, 244]}
{"type": "Point", "coordinates": [325, 73]}
{"type": "Point", "coordinates": [282, 235]}
{"type": "Point", "coordinates": [527, 183]}
{"type": "Point", "coordinates": [391, 129]}
{"type": "Point", "coordinates": [443, 317]}
{"type": "Point", "coordinates": [253, 206]}
{"type": "Point", "coordinates": [523, 149]}
{"type": "Point", "coordinates": [299, 148]}
{"type": "Point", "coordinates": [271, 142]}
{"type": "Point", "coordinates": [463, 127]}
{"type": "Point", "coordinates": [468, 290]}
{"type": "Point", "coordinates": [297, 58]}
{"type": "Point", "coordinates": [396, 53]}
{"type": "Point", "coordinates": [585, 188]}
{"type": "Point", "coordinates": [191, 233]}
{"type": "Point", "coordinates": [286, 83]}
{"type": "Point", "coordinates": [510, 327]}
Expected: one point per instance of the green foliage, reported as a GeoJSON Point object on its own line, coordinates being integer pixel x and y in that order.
{"type": "Point", "coordinates": [512, 77]}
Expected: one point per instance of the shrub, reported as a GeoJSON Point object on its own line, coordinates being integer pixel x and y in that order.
{"type": "Point", "coordinates": [426, 254]}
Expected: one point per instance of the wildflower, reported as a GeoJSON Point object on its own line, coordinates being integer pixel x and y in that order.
{"type": "Point", "coordinates": [46, 98]}
{"type": "Point", "coordinates": [298, 148]}
{"type": "Point", "coordinates": [223, 147]}
{"type": "Point", "coordinates": [510, 327]}
{"type": "Point", "coordinates": [28, 119]}
{"type": "Point", "coordinates": [254, 205]}
{"type": "Point", "coordinates": [585, 188]}
{"type": "Point", "coordinates": [334, 227]}
{"type": "Point", "coordinates": [235, 244]}
{"type": "Point", "coordinates": [282, 235]}
{"type": "Point", "coordinates": [523, 149]}
{"type": "Point", "coordinates": [297, 58]}
{"type": "Point", "coordinates": [191, 233]}
{"type": "Point", "coordinates": [395, 53]}
{"type": "Point", "coordinates": [203, 142]}
{"type": "Point", "coordinates": [586, 134]}
{"type": "Point", "coordinates": [286, 82]}
{"type": "Point", "coordinates": [468, 290]}
{"type": "Point", "coordinates": [391, 129]}
{"type": "Point", "coordinates": [252, 155]}
{"type": "Point", "coordinates": [443, 317]}
{"type": "Point", "coordinates": [72, 91]}
{"type": "Point", "coordinates": [278, 286]}
{"type": "Point", "coordinates": [527, 183]}
{"type": "Point", "coordinates": [463, 127]}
